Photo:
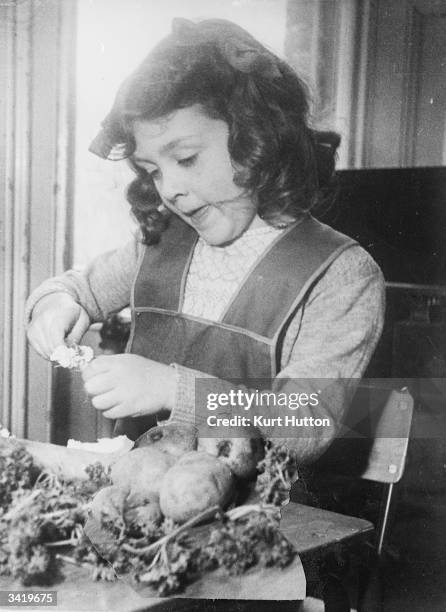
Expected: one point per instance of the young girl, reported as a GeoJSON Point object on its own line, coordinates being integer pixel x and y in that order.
{"type": "Point", "coordinates": [230, 279]}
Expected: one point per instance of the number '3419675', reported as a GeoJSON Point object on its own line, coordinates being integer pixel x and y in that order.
{"type": "Point", "coordinates": [28, 598]}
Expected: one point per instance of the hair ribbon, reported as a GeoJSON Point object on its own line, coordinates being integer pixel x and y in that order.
{"type": "Point", "coordinates": [238, 52]}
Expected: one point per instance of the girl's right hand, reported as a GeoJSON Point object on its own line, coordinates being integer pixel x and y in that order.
{"type": "Point", "coordinates": [56, 319]}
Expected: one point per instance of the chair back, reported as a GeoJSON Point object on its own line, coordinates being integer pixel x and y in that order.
{"type": "Point", "coordinates": [374, 440]}
{"type": "Point", "coordinates": [387, 456]}
{"type": "Point", "coordinates": [373, 447]}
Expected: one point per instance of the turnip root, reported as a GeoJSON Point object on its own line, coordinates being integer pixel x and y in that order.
{"type": "Point", "coordinates": [109, 503]}
{"type": "Point", "coordinates": [174, 438]}
{"type": "Point", "coordinates": [142, 471]}
{"type": "Point", "coordinates": [196, 482]}
{"type": "Point", "coordinates": [148, 515]}
{"type": "Point", "coordinates": [241, 454]}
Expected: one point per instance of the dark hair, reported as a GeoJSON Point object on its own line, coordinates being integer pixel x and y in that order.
{"type": "Point", "coordinates": [220, 66]}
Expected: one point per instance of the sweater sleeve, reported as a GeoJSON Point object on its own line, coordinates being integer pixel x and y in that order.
{"type": "Point", "coordinates": [327, 347]}
{"type": "Point", "coordinates": [102, 288]}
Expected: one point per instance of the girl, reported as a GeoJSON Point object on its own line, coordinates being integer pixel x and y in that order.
{"type": "Point", "coordinates": [231, 278]}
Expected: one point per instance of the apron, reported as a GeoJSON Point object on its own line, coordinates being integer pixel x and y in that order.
{"type": "Point", "coordinates": [244, 344]}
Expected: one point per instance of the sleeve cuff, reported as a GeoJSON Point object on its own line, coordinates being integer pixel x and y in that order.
{"type": "Point", "coordinates": [183, 410]}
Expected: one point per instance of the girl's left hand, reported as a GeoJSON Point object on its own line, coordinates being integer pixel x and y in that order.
{"type": "Point", "coordinates": [129, 385]}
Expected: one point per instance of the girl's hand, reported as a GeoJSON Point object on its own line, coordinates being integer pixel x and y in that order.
{"type": "Point", "coordinates": [129, 385]}
{"type": "Point", "coordinates": [56, 319]}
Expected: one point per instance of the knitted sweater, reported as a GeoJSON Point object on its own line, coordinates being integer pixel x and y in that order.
{"type": "Point", "coordinates": [331, 336]}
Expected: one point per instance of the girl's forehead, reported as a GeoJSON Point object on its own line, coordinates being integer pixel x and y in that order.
{"type": "Point", "coordinates": [183, 126]}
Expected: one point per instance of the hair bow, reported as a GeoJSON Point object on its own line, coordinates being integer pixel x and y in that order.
{"type": "Point", "coordinates": [236, 45]}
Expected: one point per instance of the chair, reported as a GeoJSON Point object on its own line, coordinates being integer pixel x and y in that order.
{"type": "Point", "coordinates": [373, 448]}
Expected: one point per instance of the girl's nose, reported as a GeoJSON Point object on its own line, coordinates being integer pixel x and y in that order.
{"type": "Point", "coordinates": [171, 187]}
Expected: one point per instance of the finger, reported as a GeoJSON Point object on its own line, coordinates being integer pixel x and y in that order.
{"type": "Point", "coordinates": [99, 365]}
{"type": "Point", "coordinates": [105, 401]}
{"type": "Point", "coordinates": [113, 413]}
{"type": "Point", "coordinates": [49, 334]}
{"type": "Point", "coordinates": [98, 384]}
{"type": "Point", "coordinates": [117, 412]}
{"type": "Point", "coordinates": [75, 336]}
{"type": "Point", "coordinates": [79, 328]}
{"type": "Point", "coordinates": [102, 363]}
{"type": "Point", "coordinates": [40, 341]}
{"type": "Point", "coordinates": [55, 338]}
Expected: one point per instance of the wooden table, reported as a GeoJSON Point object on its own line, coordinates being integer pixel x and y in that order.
{"type": "Point", "coordinates": [307, 528]}
{"type": "Point", "coordinates": [310, 528]}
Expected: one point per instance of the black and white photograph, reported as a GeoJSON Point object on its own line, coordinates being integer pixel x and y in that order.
{"type": "Point", "coordinates": [223, 305]}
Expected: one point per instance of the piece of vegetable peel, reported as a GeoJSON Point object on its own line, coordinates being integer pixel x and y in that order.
{"type": "Point", "coordinates": [71, 357]}
{"type": "Point", "coordinates": [119, 444]}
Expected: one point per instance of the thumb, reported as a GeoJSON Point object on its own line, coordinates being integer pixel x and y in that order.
{"type": "Point", "coordinates": [79, 328]}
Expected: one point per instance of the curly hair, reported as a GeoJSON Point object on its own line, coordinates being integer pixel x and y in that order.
{"type": "Point", "coordinates": [217, 64]}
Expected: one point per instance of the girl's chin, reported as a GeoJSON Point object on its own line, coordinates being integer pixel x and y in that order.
{"type": "Point", "coordinates": [217, 235]}
{"type": "Point", "coordinates": [214, 228]}
{"type": "Point", "coordinates": [218, 229]}
{"type": "Point", "coordinates": [216, 238]}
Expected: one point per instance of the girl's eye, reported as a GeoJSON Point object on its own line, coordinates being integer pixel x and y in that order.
{"type": "Point", "coordinates": [188, 161]}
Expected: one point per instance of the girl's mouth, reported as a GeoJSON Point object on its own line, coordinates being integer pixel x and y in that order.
{"type": "Point", "coordinates": [199, 213]}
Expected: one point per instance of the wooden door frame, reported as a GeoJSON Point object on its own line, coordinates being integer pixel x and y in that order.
{"type": "Point", "coordinates": [36, 134]}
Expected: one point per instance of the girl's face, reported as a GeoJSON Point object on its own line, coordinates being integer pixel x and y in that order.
{"type": "Point", "coordinates": [186, 154]}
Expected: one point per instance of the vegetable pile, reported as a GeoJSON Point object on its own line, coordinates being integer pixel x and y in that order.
{"type": "Point", "coordinates": [39, 514]}
{"type": "Point", "coordinates": [147, 514]}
